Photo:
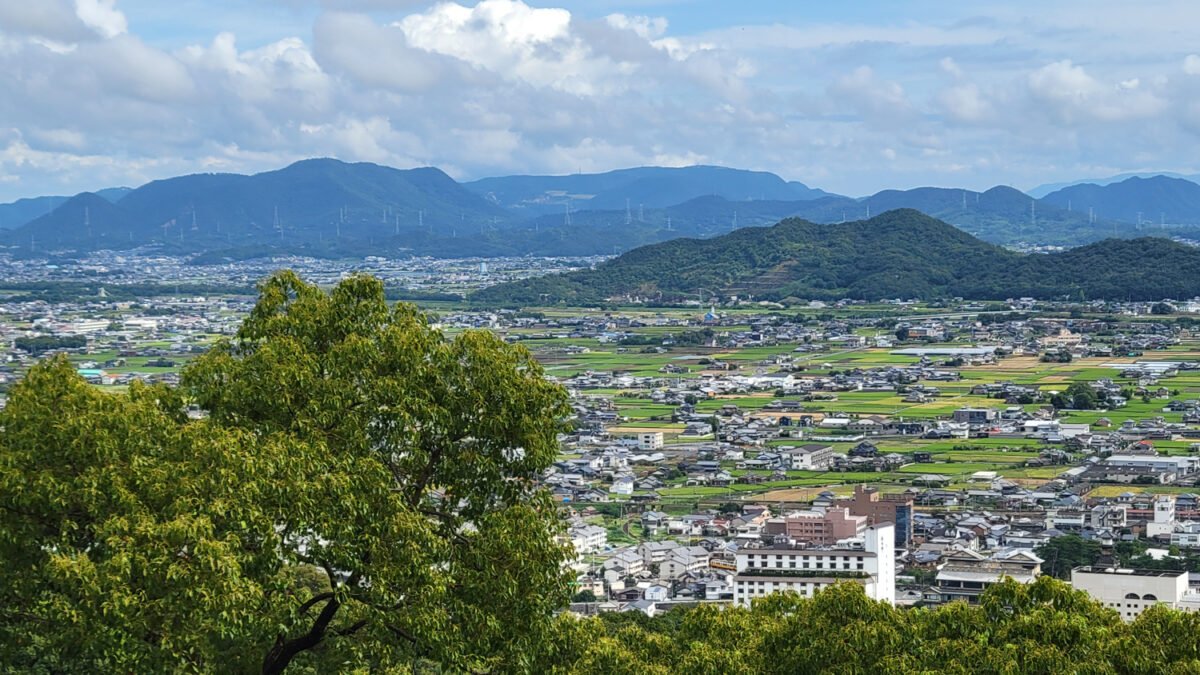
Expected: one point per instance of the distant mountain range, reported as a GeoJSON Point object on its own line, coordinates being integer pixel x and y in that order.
{"type": "Point", "coordinates": [1148, 202]}
{"type": "Point", "coordinates": [313, 205]}
{"type": "Point", "coordinates": [324, 207]}
{"type": "Point", "coordinates": [898, 254]}
{"type": "Point", "coordinates": [1046, 188]}
{"type": "Point", "coordinates": [16, 214]}
{"type": "Point", "coordinates": [643, 187]}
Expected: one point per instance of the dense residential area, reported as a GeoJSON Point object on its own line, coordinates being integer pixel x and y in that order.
{"type": "Point", "coordinates": [721, 452]}
{"type": "Point", "coordinates": [926, 458]}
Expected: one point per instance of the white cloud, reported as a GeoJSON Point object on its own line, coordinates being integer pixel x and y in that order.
{"type": "Point", "coordinates": [950, 67]}
{"type": "Point", "coordinates": [965, 103]}
{"type": "Point", "coordinates": [125, 65]}
{"type": "Point", "coordinates": [50, 19]}
{"type": "Point", "coordinates": [1072, 93]}
{"type": "Point", "coordinates": [512, 40]}
{"type": "Point", "coordinates": [282, 73]}
{"type": "Point", "coordinates": [373, 55]}
{"type": "Point", "coordinates": [1021, 93]}
{"type": "Point", "coordinates": [102, 16]}
{"type": "Point", "coordinates": [878, 100]}
{"type": "Point", "coordinates": [646, 27]}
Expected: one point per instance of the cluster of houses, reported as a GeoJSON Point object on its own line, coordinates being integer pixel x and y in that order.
{"type": "Point", "coordinates": [899, 555]}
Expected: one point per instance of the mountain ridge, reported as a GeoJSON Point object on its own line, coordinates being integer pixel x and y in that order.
{"type": "Point", "coordinates": [327, 208]}
{"type": "Point", "coordinates": [646, 186]}
{"type": "Point", "coordinates": [21, 211]}
{"type": "Point", "coordinates": [901, 253]}
{"type": "Point", "coordinates": [1155, 199]}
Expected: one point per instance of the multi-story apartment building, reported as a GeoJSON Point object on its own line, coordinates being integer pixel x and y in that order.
{"type": "Point", "coordinates": [869, 561]}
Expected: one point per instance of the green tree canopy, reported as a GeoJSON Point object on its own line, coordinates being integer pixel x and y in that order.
{"type": "Point", "coordinates": [362, 493]}
{"type": "Point", "coordinates": [1062, 554]}
{"type": "Point", "coordinates": [1044, 627]}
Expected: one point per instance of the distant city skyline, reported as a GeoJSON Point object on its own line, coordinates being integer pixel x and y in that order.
{"type": "Point", "coordinates": [848, 97]}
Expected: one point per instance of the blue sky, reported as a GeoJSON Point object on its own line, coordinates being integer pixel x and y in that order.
{"type": "Point", "coordinates": [852, 97]}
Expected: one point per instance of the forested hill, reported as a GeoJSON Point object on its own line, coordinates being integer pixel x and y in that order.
{"type": "Point", "coordinates": [647, 186]}
{"type": "Point", "coordinates": [304, 206]}
{"type": "Point", "coordinates": [898, 254]}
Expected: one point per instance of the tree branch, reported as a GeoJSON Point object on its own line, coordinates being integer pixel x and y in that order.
{"type": "Point", "coordinates": [328, 595]}
{"type": "Point", "coordinates": [401, 633]}
{"type": "Point", "coordinates": [285, 650]}
{"type": "Point", "coordinates": [351, 629]}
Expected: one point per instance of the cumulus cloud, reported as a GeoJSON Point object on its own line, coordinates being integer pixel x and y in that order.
{"type": "Point", "coordinates": [1072, 93]}
{"type": "Point", "coordinates": [355, 46]}
{"type": "Point", "coordinates": [49, 19]}
{"type": "Point", "coordinates": [867, 94]}
{"type": "Point", "coordinates": [647, 27]}
{"type": "Point", "coordinates": [283, 73]}
{"type": "Point", "coordinates": [965, 103]}
{"type": "Point", "coordinates": [515, 41]}
{"type": "Point", "coordinates": [494, 86]}
{"type": "Point", "coordinates": [101, 16]}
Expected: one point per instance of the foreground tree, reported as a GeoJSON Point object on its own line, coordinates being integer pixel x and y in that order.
{"type": "Point", "coordinates": [131, 540]}
{"type": "Point", "coordinates": [1044, 627]}
{"type": "Point", "coordinates": [362, 494]}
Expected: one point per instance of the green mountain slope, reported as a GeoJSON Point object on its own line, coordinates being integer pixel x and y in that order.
{"type": "Point", "coordinates": [901, 253]}
{"type": "Point", "coordinates": [16, 214]}
{"type": "Point", "coordinates": [648, 187]}
{"type": "Point", "coordinates": [310, 204]}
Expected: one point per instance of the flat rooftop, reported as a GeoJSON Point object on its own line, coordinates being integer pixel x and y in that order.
{"type": "Point", "coordinates": [1120, 571]}
{"type": "Point", "coordinates": [944, 351]}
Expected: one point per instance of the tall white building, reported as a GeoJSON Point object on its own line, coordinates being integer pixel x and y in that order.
{"type": "Point", "coordinates": [1130, 592]}
{"type": "Point", "coordinates": [869, 560]}
{"type": "Point", "coordinates": [588, 538]}
{"type": "Point", "coordinates": [1164, 516]}
{"type": "Point", "coordinates": [650, 440]}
